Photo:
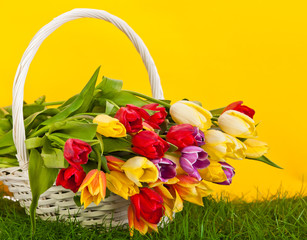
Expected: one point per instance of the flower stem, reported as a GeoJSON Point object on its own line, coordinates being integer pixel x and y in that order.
{"type": "Point", "coordinates": [149, 98]}
{"type": "Point", "coordinates": [53, 103]}
{"type": "Point", "coordinates": [102, 149]}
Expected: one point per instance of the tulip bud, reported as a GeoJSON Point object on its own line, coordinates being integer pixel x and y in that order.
{"type": "Point", "coordinates": [191, 113]}
{"type": "Point", "coordinates": [255, 148]}
{"type": "Point", "coordinates": [93, 188]}
{"type": "Point", "coordinates": [109, 127]}
{"type": "Point", "coordinates": [118, 183]}
{"type": "Point", "coordinates": [149, 144]}
{"type": "Point", "coordinates": [76, 152]}
{"type": "Point", "coordinates": [221, 146]}
{"type": "Point", "coordinates": [237, 124]}
{"type": "Point", "coordinates": [140, 169]}
{"type": "Point", "coordinates": [70, 178]}
{"type": "Point", "coordinates": [240, 108]}
{"type": "Point", "coordinates": [194, 158]}
{"type": "Point", "coordinates": [166, 167]}
{"type": "Point", "coordinates": [218, 172]}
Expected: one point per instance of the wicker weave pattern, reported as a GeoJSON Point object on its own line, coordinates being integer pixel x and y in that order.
{"type": "Point", "coordinates": [57, 200]}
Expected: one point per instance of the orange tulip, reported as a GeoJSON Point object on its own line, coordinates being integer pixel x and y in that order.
{"type": "Point", "coordinates": [93, 188]}
{"type": "Point", "coordinates": [114, 164]}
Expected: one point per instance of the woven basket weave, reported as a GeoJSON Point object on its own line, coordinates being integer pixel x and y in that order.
{"type": "Point", "coordinates": [57, 200]}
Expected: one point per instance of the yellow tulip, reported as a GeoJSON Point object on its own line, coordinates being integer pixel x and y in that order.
{"type": "Point", "coordinates": [255, 148]}
{"type": "Point", "coordinates": [192, 190]}
{"type": "Point", "coordinates": [118, 183]}
{"type": "Point", "coordinates": [172, 202]}
{"type": "Point", "coordinates": [191, 113]}
{"type": "Point", "coordinates": [140, 169]}
{"type": "Point", "coordinates": [237, 124]}
{"type": "Point", "coordinates": [93, 188]}
{"type": "Point", "coordinates": [221, 146]}
{"type": "Point", "coordinates": [213, 173]}
{"type": "Point", "coordinates": [109, 127]}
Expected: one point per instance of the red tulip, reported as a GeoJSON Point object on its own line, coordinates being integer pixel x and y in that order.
{"type": "Point", "coordinates": [149, 205]}
{"type": "Point", "coordinates": [76, 152]}
{"type": "Point", "coordinates": [131, 117]}
{"type": "Point", "coordinates": [182, 135]}
{"type": "Point", "coordinates": [157, 118]}
{"type": "Point", "coordinates": [149, 144]}
{"type": "Point", "coordinates": [70, 178]}
{"type": "Point", "coordinates": [237, 106]}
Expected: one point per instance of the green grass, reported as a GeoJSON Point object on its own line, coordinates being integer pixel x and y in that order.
{"type": "Point", "coordinates": [276, 218]}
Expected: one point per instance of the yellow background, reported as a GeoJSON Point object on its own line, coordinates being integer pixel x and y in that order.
{"type": "Point", "coordinates": [216, 52]}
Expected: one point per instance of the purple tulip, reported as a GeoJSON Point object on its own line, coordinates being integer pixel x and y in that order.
{"type": "Point", "coordinates": [193, 158]}
{"type": "Point", "coordinates": [166, 167]}
{"type": "Point", "coordinates": [229, 172]}
{"type": "Point", "coordinates": [199, 136]}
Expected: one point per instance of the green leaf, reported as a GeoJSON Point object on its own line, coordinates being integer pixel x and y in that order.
{"type": "Point", "coordinates": [66, 136]}
{"type": "Point", "coordinates": [122, 98]}
{"type": "Point", "coordinates": [53, 157]}
{"type": "Point", "coordinates": [172, 147]}
{"type": "Point", "coordinates": [35, 142]}
{"type": "Point", "coordinates": [217, 111]}
{"type": "Point", "coordinates": [32, 108]}
{"type": "Point", "coordinates": [40, 100]}
{"type": "Point", "coordinates": [41, 179]}
{"type": "Point", "coordinates": [7, 139]}
{"type": "Point", "coordinates": [109, 85]}
{"type": "Point", "coordinates": [265, 160]}
{"type": "Point", "coordinates": [110, 108]}
{"type": "Point", "coordinates": [68, 102]}
{"type": "Point", "coordinates": [78, 105]}
{"type": "Point", "coordinates": [46, 112]}
{"type": "Point", "coordinates": [75, 129]}
{"type": "Point", "coordinates": [104, 164]}
{"type": "Point", "coordinates": [6, 162]}
{"type": "Point", "coordinates": [77, 200]}
{"type": "Point", "coordinates": [116, 144]}
{"type": "Point", "coordinates": [5, 124]}
{"type": "Point", "coordinates": [8, 150]}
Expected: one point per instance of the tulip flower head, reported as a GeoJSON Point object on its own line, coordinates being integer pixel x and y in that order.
{"type": "Point", "coordinates": [118, 183]}
{"type": "Point", "coordinates": [145, 211]}
{"type": "Point", "coordinates": [255, 148]}
{"type": "Point", "coordinates": [132, 117]}
{"type": "Point", "coordinates": [93, 188]}
{"type": "Point", "coordinates": [157, 118]}
{"type": "Point", "coordinates": [70, 178]}
{"type": "Point", "coordinates": [140, 169]}
{"type": "Point", "coordinates": [171, 199]}
{"type": "Point", "coordinates": [191, 113]}
{"type": "Point", "coordinates": [114, 163]}
{"type": "Point", "coordinates": [149, 144]}
{"type": "Point", "coordinates": [191, 190]}
{"type": "Point", "coordinates": [218, 172]}
{"type": "Point", "coordinates": [221, 146]}
{"type": "Point", "coordinates": [76, 152]}
{"type": "Point", "coordinates": [240, 108]}
{"type": "Point", "coordinates": [193, 158]}
{"type": "Point", "coordinates": [109, 127]}
{"type": "Point", "coordinates": [184, 135]}
{"type": "Point", "coordinates": [166, 167]}
{"type": "Point", "coordinates": [237, 124]}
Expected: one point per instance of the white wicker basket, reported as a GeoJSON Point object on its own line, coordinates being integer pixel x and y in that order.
{"type": "Point", "coordinates": [58, 200]}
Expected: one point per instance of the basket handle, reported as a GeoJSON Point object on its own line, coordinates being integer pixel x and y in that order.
{"type": "Point", "coordinates": [17, 106]}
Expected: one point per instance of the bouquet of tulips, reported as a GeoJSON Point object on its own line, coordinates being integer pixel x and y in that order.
{"type": "Point", "coordinates": [152, 153]}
